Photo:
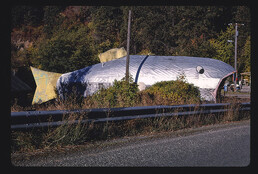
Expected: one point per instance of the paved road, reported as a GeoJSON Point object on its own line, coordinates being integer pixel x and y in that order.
{"type": "Point", "coordinates": [223, 145]}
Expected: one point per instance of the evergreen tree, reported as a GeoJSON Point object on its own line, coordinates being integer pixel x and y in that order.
{"type": "Point", "coordinates": [242, 16]}
{"type": "Point", "coordinates": [52, 18]}
{"type": "Point", "coordinates": [224, 49]}
{"type": "Point", "coordinates": [74, 36]}
{"type": "Point", "coordinates": [106, 22]}
{"type": "Point", "coordinates": [245, 63]}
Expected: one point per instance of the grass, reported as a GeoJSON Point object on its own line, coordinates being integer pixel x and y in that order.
{"type": "Point", "coordinates": [125, 94]}
{"type": "Point", "coordinates": [72, 135]}
{"type": "Point", "coordinates": [77, 134]}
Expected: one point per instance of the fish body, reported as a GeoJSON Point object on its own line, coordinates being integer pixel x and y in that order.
{"type": "Point", "coordinates": [205, 73]}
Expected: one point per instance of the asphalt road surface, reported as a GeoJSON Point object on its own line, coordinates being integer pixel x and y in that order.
{"type": "Point", "coordinates": [218, 145]}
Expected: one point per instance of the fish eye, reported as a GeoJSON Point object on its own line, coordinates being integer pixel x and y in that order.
{"type": "Point", "coordinates": [200, 69]}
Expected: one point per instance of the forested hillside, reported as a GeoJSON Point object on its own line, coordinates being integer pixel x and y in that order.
{"type": "Point", "coordinates": [66, 38]}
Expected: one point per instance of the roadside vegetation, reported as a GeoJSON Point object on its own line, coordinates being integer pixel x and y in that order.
{"type": "Point", "coordinates": [121, 94]}
{"type": "Point", "coordinates": [66, 38]}
{"type": "Point", "coordinates": [171, 93]}
{"type": "Point", "coordinates": [36, 141]}
{"type": "Point", "coordinates": [126, 94]}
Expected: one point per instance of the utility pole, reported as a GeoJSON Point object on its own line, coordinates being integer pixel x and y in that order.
{"type": "Point", "coordinates": [128, 48]}
{"type": "Point", "coordinates": [236, 34]}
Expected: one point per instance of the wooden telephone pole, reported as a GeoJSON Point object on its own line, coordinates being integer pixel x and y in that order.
{"type": "Point", "coordinates": [236, 34]}
{"type": "Point", "coordinates": [128, 47]}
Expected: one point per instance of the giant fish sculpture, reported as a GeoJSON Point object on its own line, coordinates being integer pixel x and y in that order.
{"type": "Point", "coordinates": [206, 73]}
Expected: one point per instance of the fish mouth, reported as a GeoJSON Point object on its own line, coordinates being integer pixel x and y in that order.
{"type": "Point", "coordinates": [215, 92]}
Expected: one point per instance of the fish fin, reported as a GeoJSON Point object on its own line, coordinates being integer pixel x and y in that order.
{"type": "Point", "coordinates": [46, 85]}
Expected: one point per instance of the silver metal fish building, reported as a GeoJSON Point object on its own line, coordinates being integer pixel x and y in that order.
{"type": "Point", "coordinates": [206, 73]}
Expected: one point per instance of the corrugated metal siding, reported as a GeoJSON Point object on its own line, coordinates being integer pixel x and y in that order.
{"type": "Point", "coordinates": [154, 69]}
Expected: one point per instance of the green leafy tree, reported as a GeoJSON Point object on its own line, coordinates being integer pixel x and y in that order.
{"type": "Point", "coordinates": [242, 15]}
{"type": "Point", "coordinates": [70, 34]}
{"type": "Point", "coordinates": [197, 24]}
{"type": "Point", "coordinates": [52, 18]}
{"type": "Point", "coordinates": [224, 49]}
{"type": "Point", "coordinates": [247, 56]}
{"type": "Point", "coordinates": [149, 30]}
{"type": "Point", "coordinates": [106, 22]}
{"type": "Point", "coordinates": [198, 47]}
{"type": "Point", "coordinates": [70, 48]}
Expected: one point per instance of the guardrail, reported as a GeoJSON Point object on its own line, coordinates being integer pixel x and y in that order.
{"type": "Point", "coordinates": [37, 119]}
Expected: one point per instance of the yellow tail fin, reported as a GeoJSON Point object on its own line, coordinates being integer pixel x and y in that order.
{"type": "Point", "coordinates": [46, 84]}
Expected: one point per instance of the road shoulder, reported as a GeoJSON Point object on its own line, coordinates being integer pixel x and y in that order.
{"type": "Point", "coordinates": [96, 147]}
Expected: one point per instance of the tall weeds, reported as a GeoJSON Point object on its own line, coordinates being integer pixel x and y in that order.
{"type": "Point", "coordinates": [75, 134]}
{"type": "Point", "coordinates": [122, 94]}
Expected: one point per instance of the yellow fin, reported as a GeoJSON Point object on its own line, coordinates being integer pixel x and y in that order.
{"type": "Point", "coordinates": [112, 54]}
{"type": "Point", "coordinates": [46, 84]}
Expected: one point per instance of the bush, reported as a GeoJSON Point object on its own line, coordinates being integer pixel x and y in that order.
{"type": "Point", "coordinates": [121, 94]}
{"type": "Point", "coordinates": [170, 93]}
{"type": "Point", "coordinates": [124, 94]}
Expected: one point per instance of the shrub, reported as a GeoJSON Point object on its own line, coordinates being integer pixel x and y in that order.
{"type": "Point", "coordinates": [124, 94]}
{"type": "Point", "coordinates": [170, 93]}
{"type": "Point", "coordinates": [121, 94]}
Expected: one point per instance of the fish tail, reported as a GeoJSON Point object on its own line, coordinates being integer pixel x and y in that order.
{"type": "Point", "coordinates": [46, 85]}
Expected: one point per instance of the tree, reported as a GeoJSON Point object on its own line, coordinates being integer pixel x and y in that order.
{"type": "Point", "coordinates": [195, 22]}
{"type": "Point", "coordinates": [242, 16]}
{"type": "Point", "coordinates": [70, 34]}
{"type": "Point", "coordinates": [106, 22]}
{"type": "Point", "coordinates": [224, 49]}
{"type": "Point", "coordinates": [198, 47]}
{"type": "Point", "coordinates": [70, 48]}
{"type": "Point", "coordinates": [52, 18]}
{"type": "Point", "coordinates": [26, 15]}
{"type": "Point", "coordinates": [149, 30]}
{"type": "Point", "coordinates": [246, 58]}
